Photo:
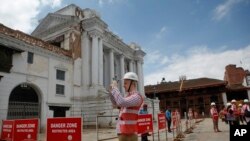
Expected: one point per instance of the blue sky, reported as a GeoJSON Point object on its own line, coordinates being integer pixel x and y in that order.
{"type": "Point", "coordinates": [196, 38]}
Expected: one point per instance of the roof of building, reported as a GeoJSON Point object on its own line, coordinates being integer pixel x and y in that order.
{"type": "Point", "coordinates": [187, 85]}
{"type": "Point", "coordinates": [32, 40]}
{"type": "Point", "coordinates": [237, 87]}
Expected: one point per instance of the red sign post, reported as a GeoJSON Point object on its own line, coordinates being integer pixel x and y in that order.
{"type": "Point", "coordinates": [26, 130]}
{"type": "Point", "coordinates": [161, 121]}
{"type": "Point", "coordinates": [7, 130]}
{"type": "Point", "coordinates": [64, 129]}
{"type": "Point", "coordinates": [145, 123]}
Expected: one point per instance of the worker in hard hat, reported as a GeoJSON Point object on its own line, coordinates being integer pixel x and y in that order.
{"type": "Point", "coordinates": [215, 116]}
{"type": "Point", "coordinates": [241, 114]}
{"type": "Point", "coordinates": [235, 112]}
{"type": "Point", "coordinates": [246, 106]}
{"type": "Point", "coordinates": [230, 114]}
{"type": "Point", "coordinates": [130, 105]}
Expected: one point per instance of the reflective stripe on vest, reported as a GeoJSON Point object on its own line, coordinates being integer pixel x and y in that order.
{"type": "Point", "coordinates": [128, 119]}
{"type": "Point", "coordinates": [127, 110]}
{"type": "Point", "coordinates": [128, 122]}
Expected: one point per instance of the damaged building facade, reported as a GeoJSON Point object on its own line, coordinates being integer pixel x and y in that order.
{"type": "Point", "coordinates": [64, 67]}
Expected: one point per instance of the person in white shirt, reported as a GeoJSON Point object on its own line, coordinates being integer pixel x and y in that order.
{"type": "Point", "coordinates": [245, 107]}
{"type": "Point", "coordinates": [235, 112]}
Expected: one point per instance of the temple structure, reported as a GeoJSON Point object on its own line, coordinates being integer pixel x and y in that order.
{"type": "Point", "coordinates": [198, 94]}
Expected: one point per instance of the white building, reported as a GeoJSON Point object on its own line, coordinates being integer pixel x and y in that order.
{"type": "Point", "coordinates": [69, 76]}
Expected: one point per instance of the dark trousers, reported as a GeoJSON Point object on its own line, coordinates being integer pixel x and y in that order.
{"type": "Point", "coordinates": [169, 125]}
{"type": "Point", "coordinates": [248, 123]}
{"type": "Point", "coordinates": [241, 119]}
{"type": "Point", "coordinates": [144, 137]}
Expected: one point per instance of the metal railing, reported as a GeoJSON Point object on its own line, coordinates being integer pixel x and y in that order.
{"type": "Point", "coordinates": [23, 110]}
{"type": "Point", "coordinates": [157, 135]}
{"type": "Point", "coordinates": [97, 127]}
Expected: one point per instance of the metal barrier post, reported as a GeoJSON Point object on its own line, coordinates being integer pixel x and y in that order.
{"type": "Point", "coordinates": [181, 126]}
{"type": "Point", "coordinates": [153, 135]}
{"type": "Point", "coordinates": [166, 134]}
{"type": "Point", "coordinates": [158, 135]}
{"type": "Point", "coordinates": [97, 138]}
{"type": "Point", "coordinates": [186, 122]}
{"type": "Point", "coordinates": [173, 133]}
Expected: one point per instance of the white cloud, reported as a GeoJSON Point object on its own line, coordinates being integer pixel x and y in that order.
{"type": "Point", "coordinates": [200, 63]}
{"type": "Point", "coordinates": [161, 32]}
{"type": "Point", "coordinates": [152, 57]}
{"type": "Point", "coordinates": [102, 2]}
{"type": "Point", "coordinates": [52, 3]}
{"type": "Point", "coordinates": [22, 14]}
{"type": "Point", "coordinates": [223, 9]}
{"type": "Point", "coordinates": [155, 57]}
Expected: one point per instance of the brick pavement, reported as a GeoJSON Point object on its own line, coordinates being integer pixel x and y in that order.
{"type": "Point", "coordinates": [204, 132]}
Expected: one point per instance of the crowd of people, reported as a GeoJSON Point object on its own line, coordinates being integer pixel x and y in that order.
{"type": "Point", "coordinates": [233, 113]}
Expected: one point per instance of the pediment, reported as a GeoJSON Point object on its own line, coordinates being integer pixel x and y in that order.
{"type": "Point", "coordinates": [50, 21]}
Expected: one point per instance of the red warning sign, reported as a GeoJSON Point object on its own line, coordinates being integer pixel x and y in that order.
{"type": "Point", "coordinates": [7, 130]}
{"type": "Point", "coordinates": [161, 121]}
{"type": "Point", "coordinates": [145, 123]}
{"type": "Point", "coordinates": [26, 130]}
{"type": "Point", "coordinates": [64, 129]}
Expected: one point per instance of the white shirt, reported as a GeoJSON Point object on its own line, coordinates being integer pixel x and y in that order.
{"type": "Point", "coordinates": [247, 118]}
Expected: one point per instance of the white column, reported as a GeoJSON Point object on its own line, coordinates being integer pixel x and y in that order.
{"type": "Point", "coordinates": [248, 93]}
{"type": "Point", "coordinates": [122, 73]}
{"type": "Point", "coordinates": [135, 69]}
{"type": "Point", "coordinates": [142, 80]}
{"type": "Point", "coordinates": [85, 59]}
{"type": "Point", "coordinates": [94, 61]}
{"type": "Point", "coordinates": [100, 62]}
{"type": "Point", "coordinates": [224, 98]}
{"type": "Point", "coordinates": [131, 66]}
{"type": "Point", "coordinates": [140, 76]}
{"type": "Point", "coordinates": [111, 64]}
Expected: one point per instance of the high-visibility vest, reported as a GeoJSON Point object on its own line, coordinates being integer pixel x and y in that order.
{"type": "Point", "coordinates": [214, 113]}
{"type": "Point", "coordinates": [128, 119]}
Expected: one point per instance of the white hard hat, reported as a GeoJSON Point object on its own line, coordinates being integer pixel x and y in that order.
{"type": "Point", "coordinates": [131, 76]}
{"type": "Point", "coordinates": [212, 104]}
{"type": "Point", "coordinates": [245, 100]}
{"type": "Point", "coordinates": [233, 100]}
{"type": "Point", "coordinates": [228, 104]}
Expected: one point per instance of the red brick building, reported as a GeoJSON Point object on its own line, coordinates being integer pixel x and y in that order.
{"type": "Point", "coordinates": [238, 81]}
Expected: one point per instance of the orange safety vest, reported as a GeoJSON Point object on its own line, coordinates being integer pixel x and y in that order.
{"type": "Point", "coordinates": [214, 114]}
{"type": "Point", "coordinates": [128, 119]}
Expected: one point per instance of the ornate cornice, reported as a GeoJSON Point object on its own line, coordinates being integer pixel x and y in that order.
{"type": "Point", "coordinates": [57, 28]}
{"type": "Point", "coordinates": [139, 58]}
{"type": "Point", "coordinates": [62, 20]}
{"type": "Point", "coordinates": [94, 22]}
{"type": "Point", "coordinates": [118, 44]}
{"type": "Point", "coordinates": [95, 33]}
{"type": "Point", "coordinates": [140, 53]}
